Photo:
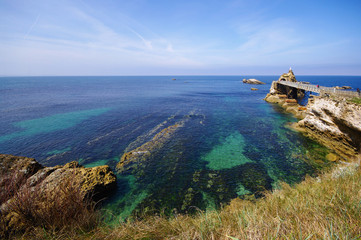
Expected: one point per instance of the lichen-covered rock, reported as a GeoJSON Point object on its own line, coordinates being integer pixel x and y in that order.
{"type": "Point", "coordinates": [22, 165]}
{"type": "Point", "coordinates": [96, 181]}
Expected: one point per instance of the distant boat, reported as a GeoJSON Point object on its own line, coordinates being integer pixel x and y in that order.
{"type": "Point", "coordinates": [174, 79]}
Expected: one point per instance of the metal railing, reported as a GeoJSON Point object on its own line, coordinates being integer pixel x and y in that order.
{"type": "Point", "coordinates": [320, 89]}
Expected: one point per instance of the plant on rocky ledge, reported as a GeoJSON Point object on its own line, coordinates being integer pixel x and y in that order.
{"type": "Point", "coordinates": [355, 100]}
{"type": "Point", "coordinates": [59, 210]}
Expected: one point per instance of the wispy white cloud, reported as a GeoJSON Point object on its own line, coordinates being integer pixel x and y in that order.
{"type": "Point", "coordinates": [32, 26]}
{"type": "Point", "coordinates": [97, 45]}
{"type": "Point", "coordinates": [89, 37]}
{"type": "Point", "coordinates": [271, 38]}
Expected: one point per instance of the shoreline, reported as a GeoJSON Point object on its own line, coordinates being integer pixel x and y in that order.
{"type": "Point", "coordinates": [331, 121]}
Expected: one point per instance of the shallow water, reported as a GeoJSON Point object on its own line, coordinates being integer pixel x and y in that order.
{"type": "Point", "coordinates": [231, 142]}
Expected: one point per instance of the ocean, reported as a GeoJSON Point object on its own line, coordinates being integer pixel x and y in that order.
{"type": "Point", "coordinates": [231, 143]}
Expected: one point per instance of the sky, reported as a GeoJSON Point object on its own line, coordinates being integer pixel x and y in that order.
{"type": "Point", "coordinates": [187, 37]}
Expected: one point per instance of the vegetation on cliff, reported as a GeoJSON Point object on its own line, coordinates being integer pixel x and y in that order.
{"type": "Point", "coordinates": [51, 199]}
{"type": "Point", "coordinates": [356, 100]}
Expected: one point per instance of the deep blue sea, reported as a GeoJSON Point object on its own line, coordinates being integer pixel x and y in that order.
{"type": "Point", "coordinates": [233, 143]}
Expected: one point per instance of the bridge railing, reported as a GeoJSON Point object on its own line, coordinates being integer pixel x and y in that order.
{"type": "Point", "coordinates": [320, 89]}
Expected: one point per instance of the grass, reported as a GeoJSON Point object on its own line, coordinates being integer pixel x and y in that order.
{"type": "Point", "coordinates": [327, 207]}
{"type": "Point", "coordinates": [355, 100]}
{"type": "Point", "coordinates": [35, 213]}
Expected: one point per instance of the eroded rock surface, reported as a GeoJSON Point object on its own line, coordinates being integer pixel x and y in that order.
{"type": "Point", "coordinates": [334, 123]}
{"type": "Point", "coordinates": [22, 176]}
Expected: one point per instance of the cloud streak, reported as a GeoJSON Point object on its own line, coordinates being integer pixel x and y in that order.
{"type": "Point", "coordinates": [125, 38]}
{"type": "Point", "coordinates": [32, 26]}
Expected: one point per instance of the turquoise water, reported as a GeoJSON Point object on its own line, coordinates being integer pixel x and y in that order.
{"type": "Point", "coordinates": [231, 143]}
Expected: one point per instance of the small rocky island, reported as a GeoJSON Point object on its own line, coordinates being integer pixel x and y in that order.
{"type": "Point", "coordinates": [333, 121]}
{"type": "Point", "coordinates": [253, 81]}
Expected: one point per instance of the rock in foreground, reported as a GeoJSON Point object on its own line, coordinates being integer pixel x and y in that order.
{"type": "Point", "coordinates": [33, 195]}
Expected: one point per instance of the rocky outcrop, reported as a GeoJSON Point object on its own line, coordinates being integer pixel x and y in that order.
{"type": "Point", "coordinates": [22, 176]}
{"type": "Point", "coordinates": [290, 76]}
{"type": "Point", "coordinates": [343, 87]}
{"type": "Point", "coordinates": [252, 81]}
{"type": "Point", "coordinates": [289, 105]}
{"type": "Point", "coordinates": [334, 123]}
{"type": "Point", "coordinates": [95, 181]}
{"type": "Point", "coordinates": [283, 96]}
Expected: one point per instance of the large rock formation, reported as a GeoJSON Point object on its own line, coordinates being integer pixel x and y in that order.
{"type": "Point", "coordinates": [334, 123]}
{"type": "Point", "coordinates": [252, 81]}
{"type": "Point", "coordinates": [290, 76]}
{"type": "Point", "coordinates": [23, 178]}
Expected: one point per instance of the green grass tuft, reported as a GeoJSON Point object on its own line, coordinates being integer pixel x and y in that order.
{"type": "Point", "coordinates": [355, 100]}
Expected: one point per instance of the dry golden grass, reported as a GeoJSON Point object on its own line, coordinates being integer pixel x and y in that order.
{"type": "Point", "coordinates": [35, 214]}
{"type": "Point", "coordinates": [328, 207]}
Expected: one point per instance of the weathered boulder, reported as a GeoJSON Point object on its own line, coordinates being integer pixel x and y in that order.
{"type": "Point", "coordinates": [253, 81]}
{"type": "Point", "coordinates": [96, 182]}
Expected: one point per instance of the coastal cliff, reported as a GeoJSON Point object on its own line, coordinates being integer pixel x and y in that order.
{"type": "Point", "coordinates": [32, 192]}
{"type": "Point", "coordinates": [334, 122]}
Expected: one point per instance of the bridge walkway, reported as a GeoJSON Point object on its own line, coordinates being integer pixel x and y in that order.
{"type": "Point", "coordinates": [320, 89]}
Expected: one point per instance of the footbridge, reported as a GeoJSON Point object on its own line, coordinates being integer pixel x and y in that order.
{"type": "Point", "coordinates": [320, 89]}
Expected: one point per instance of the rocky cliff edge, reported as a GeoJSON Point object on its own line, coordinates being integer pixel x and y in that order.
{"type": "Point", "coordinates": [22, 176]}
{"type": "Point", "coordinates": [335, 123]}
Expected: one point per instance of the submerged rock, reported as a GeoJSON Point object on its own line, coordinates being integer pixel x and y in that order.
{"type": "Point", "coordinates": [144, 151]}
{"type": "Point", "coordinates": [252, 81]}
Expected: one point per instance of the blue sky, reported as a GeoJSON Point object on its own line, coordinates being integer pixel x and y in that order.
{"type": "Point", "coordinates": [156, 37]}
